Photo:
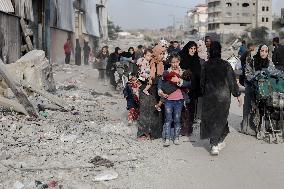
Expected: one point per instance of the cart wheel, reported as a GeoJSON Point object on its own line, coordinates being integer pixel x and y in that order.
{"type": "Point", "coordinates": [260, 135]}
{"type": "Point", "coordinates": [270, 138]}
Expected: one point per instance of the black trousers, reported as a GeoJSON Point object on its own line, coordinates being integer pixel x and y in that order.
{"type": "Point", "coordinates": [67, 58]}
{"type": "Point", "coordinates": [214, 141]}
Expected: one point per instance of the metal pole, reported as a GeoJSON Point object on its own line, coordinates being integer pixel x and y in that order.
{"type": "Point", "coordinates": [47, 28]}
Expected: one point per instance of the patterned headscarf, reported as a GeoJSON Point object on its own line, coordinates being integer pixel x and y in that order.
{"type": "Point", "coordinates": [202, 50]}
{"type": "Point", "coordinates": [156, 64]}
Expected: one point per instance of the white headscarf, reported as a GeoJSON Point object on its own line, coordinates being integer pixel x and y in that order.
{"type": "Point", "coordinates": [202, 50]}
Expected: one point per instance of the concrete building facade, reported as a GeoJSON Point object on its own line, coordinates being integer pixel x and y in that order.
{"type": "Point", "coordinates": [234, 16]}
{"type": "Point", "coordinates": [197, 20]}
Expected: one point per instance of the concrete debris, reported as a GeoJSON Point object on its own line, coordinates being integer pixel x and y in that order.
{"type": "Point", "coordinates": [99, 161]}
{"type": "Point", "coordinates": [68, 138]}
{"type": "Point", "coordinates": [106, 175]}
{"type": "Point", "coordinates": [34, 69]}
{"type": "Point", "coordinates": [18, 185]}
{"type": "Point", "coordinates": [68, 147]}
{"type": "Point", "coordinates": [68, 87]}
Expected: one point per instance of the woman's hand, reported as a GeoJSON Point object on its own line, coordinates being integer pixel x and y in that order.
{"type": "Point", "coordinates": [240, 101]}
{"type": "Point", "coordinates": [162, 94]}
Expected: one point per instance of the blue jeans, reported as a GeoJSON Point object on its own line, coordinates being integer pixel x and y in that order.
{"type": "Point", "coordinates": [173, 110]}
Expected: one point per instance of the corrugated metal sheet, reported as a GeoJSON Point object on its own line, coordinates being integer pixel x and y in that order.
{"type": "Point", "coordinates": [6, 6]}
{"type": "Point", "coordinates": [90, 19]}
{"type": "Point", "coordinates": [10, 28]}
{"type": "Point", "coordinates": [62, 14]}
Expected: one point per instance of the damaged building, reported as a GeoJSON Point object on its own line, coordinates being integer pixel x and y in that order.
{"type": "Point", "coordinates": [46, 25]}
{"type": "Point", "coordinates": [234, 16]}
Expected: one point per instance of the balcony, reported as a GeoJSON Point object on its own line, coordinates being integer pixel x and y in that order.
{"type": "Point", "coordinates": [214, 20]}
{"type": "Point", "coordinates": [214, 9]}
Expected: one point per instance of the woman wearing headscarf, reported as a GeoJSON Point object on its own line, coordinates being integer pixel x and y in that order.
{"type": "Point", "coordinates": [150, 121]}
{"type": "Point", "coordinates": [203, 57]}
{"type": "Point", "coordinates": [254, 65]}
{"type": "Point", "coordinates": [218, 83]}
{"type": "Point", "coordinates": [202, 51]}
{"type": "Point", "coordinates": [190, 61]}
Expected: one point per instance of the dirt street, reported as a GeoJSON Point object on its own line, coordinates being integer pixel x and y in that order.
{"type": "Point", "coordinates": [73, 148]}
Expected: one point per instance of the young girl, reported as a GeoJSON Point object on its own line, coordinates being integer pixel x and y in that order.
{"type": "Point", "coordinates": [167, 86]}
{"type": "Point", "coordinates": [131, 93]}
{"type": "Point", "coordinates": [144, 69]}
{"type": "Point", "coordinates": [174, 101]}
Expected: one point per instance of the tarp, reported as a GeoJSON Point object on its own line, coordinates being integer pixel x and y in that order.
{"type": "Point", "coordinates": [62, 14]}
{"type": "Point", "coordinates": [24, 9]}
{"type": "Point", "coordinates": [6, 6]}
{"type": "Point", "coordinates": [90, 18]}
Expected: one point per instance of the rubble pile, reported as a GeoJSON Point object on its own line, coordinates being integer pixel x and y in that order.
{"type": "Point", "coordinates": [89, 146]}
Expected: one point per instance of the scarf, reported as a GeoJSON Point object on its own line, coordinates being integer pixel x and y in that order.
{"type": "Point", "coordinates": [215, 50]}
{"type": "Point", "coordinates": [188, 61]}
{"type": "Point", "coordinates": [156, 65]}
{"type": "Point", "coordinates": [260, 63]}
{"type": "Point", "coordinates": [202, 50]}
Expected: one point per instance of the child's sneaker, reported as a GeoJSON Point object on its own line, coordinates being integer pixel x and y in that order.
{"type": "Point", "coordinates": [130, 123]}
{"type": "Point", "coordinates": [167, 143]}
{"type": "Point", "coordinates": [158, 108]}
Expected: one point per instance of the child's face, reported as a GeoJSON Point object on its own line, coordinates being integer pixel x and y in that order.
{"type": "Point", "coordinates": [175, 63]}
{"type": "Point", "coordinates": [148, 56]}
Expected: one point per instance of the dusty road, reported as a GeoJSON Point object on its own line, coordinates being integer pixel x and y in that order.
{"type": "Point", "coordinates": [42, 150]}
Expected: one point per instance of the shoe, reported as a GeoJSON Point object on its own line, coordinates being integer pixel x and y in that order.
{"type": "Point", "coordinates": [167, 143]}
{"type": "Point", "coordinates": [176, 142]}
{"type": "Point", "coordinates": [215, 150]}
{"type": "Point", "coordinates": [221, 145]}
{"type": "Point", "coordinates": [130, 123]}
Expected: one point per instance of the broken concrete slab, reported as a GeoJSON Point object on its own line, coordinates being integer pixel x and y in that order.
{"type": "Point", "coordinates": [18, 92]}
{"type": "Point", "coordinates": [34, 69]}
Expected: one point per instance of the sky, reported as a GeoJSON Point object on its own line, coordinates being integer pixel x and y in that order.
{"type": "Point", "coordinates": [134, 14]}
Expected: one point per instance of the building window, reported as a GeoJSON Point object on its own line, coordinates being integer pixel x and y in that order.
{"type": "Point", "coordinates": [263, 8]}
{"type": "Point", "coordinates": [245, 5]}
{"type": "Point", "coordinates": [267, 8]}
{"type": "Point", "coordinates": [227, 24]}
{"type": "Point", "coordinates": [228, 4]}
{"type": "Point", "coordinates": [228, 14]}
{"type": "Point", "coordinates": [262, 19]}
{"type": "Point", "coordinates": [253, 3]}
{"type": "Point", "coordinates": [266, 19]}
{"type": "Point", "coordinates": [243, 24]}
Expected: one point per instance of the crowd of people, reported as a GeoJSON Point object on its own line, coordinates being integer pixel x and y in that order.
{"type": "Point", "coordinates": [170, 87]}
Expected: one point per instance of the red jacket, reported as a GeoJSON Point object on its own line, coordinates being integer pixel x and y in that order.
{"type": "Point", "coordinates": [67, 48]}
